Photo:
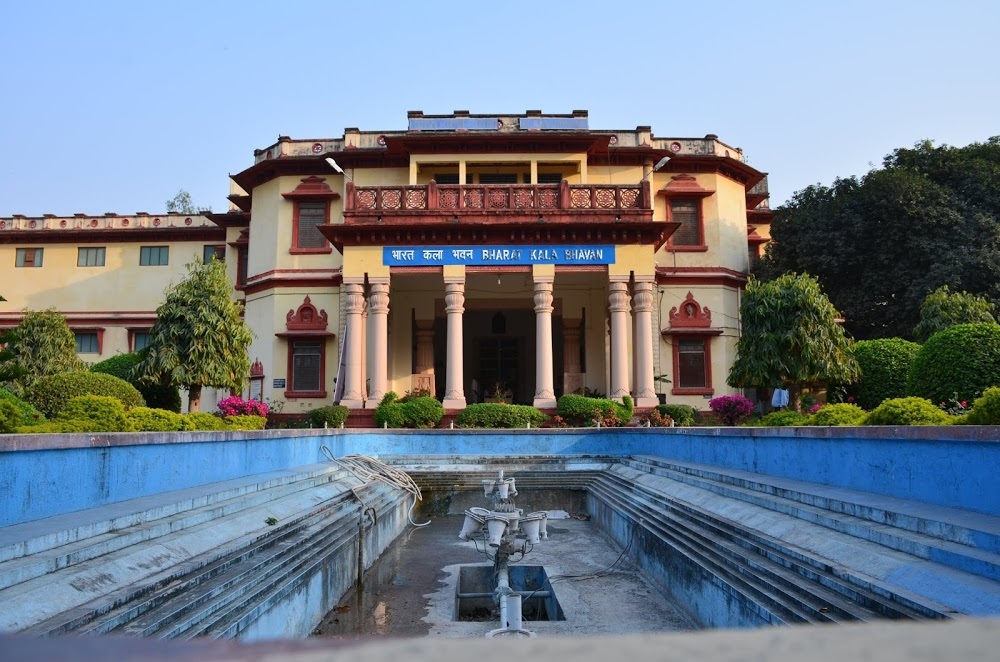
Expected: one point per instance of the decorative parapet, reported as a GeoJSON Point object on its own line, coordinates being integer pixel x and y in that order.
{"type": "Point", "coordinates": [83, 222]}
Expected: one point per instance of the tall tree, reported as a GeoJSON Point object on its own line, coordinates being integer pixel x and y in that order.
{"type": "Point", "coordinates": [790, 338]}
{"type": "Point", "coordinates": [41, 345]}
{"type": "Point", "coordinates": [199, 337]}
{"type": "Point", "coordinates": [929, 217]}
{"type": "Point", "coordinates": [943, 309]}
{"type": "Point", "coordinates": [183, 204]}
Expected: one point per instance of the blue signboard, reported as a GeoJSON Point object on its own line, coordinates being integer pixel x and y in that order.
{"type": "Point", "coordinates": [400, 256]}
{"type": "Point", "coordinates": [454, 123]}
{"type": "Point", "coordinates": [558, 123]}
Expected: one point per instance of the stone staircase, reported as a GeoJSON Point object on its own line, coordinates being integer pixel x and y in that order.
{"type": "Point", "coordinates": [216, 560]}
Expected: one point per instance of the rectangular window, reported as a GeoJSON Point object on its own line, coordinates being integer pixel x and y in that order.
{"type": "Point", "coordinates": [214, 252]}
{"type": "Point", "coordinates": [306, 366]}
{"type": "Point", "coordinates": [86, 342]}
{"type": "Point", "coordinates": [550, 178]}
{"type": "Point", "coordinates": [90, 257]}
{"type": "Point", "coordinates": [242, 262]}
{"type": "Point", "coordinates": [139, 340]}
{"type": "Point", "coordinates": [446, 178]}
{"type": "Point", "coordinates": [154, 256]}
{"type": "Point", "coordinates": [686, 212]}
{"type": "Point", "coordinates": [28, 257]}
{"type": "Point", "coordinates": [308, 215]}
{"type": "Point", "coordinates": [691, 363]}
{"type": "Point", "coordinates": [498, 178]}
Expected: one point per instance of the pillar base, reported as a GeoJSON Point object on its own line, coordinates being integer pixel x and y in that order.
{"type": "Point", "coordinates": [454, 403]}
{"type": "Point", "coordinates": [647, 402]}
{"type": "Point", "coordinates": [372, 404]}
{"type": "Point", "coordinates": [544, 403]}
{"type": "Point", "coordinates": [353, 404]}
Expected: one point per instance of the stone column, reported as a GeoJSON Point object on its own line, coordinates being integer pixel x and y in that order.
{"type": "Point", "coordinates": [424, 377]}
{"type": "Point", "coordinates": [353, 396]}
{"type": "Point", "coordinates": [572, 377]}
{"type": "Point", "coordinates": [618, 306]}
{"type": "Point", "coordinates": [645, 389]}
{"type": "Point", "coordinates": [454, 298]}
{"type": "Point", "coordinates": [364, 349]}
{"type": "Point", "coordinates": [545, 396]}
{"type": "Point", "coordinates": [378, 328]}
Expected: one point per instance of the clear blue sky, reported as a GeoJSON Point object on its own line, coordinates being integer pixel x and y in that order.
{"type": "Point", "coordinates": [115, 106]}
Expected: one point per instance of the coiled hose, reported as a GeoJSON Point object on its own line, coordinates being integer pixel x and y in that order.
{"type": "Point", "coordinates": [367, 469]}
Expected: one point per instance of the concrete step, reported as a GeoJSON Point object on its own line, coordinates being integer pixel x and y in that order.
{"type": "Point", "coordinates": [952, 537]}
{"type": "Point", "coordinates": [152, 522]}
{"type": "Point", "coordinates": [907, 580]}
{"type": "Point", "coordinates": [161, 559]}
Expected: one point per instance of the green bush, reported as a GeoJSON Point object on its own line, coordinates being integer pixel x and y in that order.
{"type": "Point", "coordinates": [960, 362]}
{"type": "Point", "coordinates": [10, 417]}
{"type": "Point", "coordinates": [986, 409]}
{"type": "Point", "coordinates": [61, 427]}
{"type": "Point", "coordinates": [201, 420]}
{"type": "Point", "coordinates": [782, 419]}
{"type": "Point", "coordinates": [29, 415]}
{"type": "Point", "coordinates": [50, 394]}
{"type": "Point", "coordinates": [148, 419]}
{"type": "Point", "coordinates": [907, 411]}
{"type": "Point", "coordinates": [499, 415]}
{"type": "Point", "coordinates": [410, 412]}
{"type": "Point", "coordinates": [105, 412]}
{"type": "Point", "coordinates": [244, 422]}
{"type": "Point", "coordinates": [839, 414]}
{"type": "Point", "coordinates": [581, 411]}
{"type": "Point", "coordinates": [884, 364]}
{"type": "Point", "coordinates": [683, 415]}
{"type": "Point", "coordinates": [331, 417]}
{"type": "Point", "coordinates": [156, 396]}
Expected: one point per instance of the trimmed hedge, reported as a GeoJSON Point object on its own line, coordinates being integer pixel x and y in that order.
{"type": "Point", "coordinates": [499, 415]}
{"type": "Point", "coordinates": [244, 422]}
{"type": "Point", "coordinates": [332, 416]}
{"type": "Point", "coordinates": [203, 421]}
{"type": "Point", "coordinates": [907, 411]}
{"type": "Point", "coordinates": [102, 413]}
{"type": "Point", "coordinates": [986, 409]}
{"type": "Point", "coordinates": [156, 396]}
{"type": "Point", "coordinates": [838, 414]}
{"type": "Point", "coordinates": [410, 412]}
{"type": "Point", "coordinates": [50, 394]}
{"type": "Point", "coordinates": [960, 362]}
{"type": "Point", "coordinates": [683, 415]}
{"type": "Point", "coordinates": [28, 414]}
{"type": "Point", "coordinates": [782, 419]}
{"type": "Point", "coordinates": [581, 411]}
{"type": "Point", "coordinates": [10, 417]}
{"type": "Point", "coordinates": [147, 419]}
{"type": "Point", "coordinates": [885, 364]}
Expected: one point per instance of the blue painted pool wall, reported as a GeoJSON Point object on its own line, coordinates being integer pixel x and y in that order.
{"type": "Point", "coordinates": [954, 467]}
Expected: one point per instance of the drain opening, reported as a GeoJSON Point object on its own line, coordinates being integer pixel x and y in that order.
{"type": "Point", "coordinates": [474, 594]}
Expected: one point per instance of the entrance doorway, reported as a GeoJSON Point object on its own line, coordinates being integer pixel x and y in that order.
{"type": "Point", "coordinates": [499, 368]}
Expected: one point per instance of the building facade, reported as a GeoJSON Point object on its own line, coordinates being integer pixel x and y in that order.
{"type": "Point", "coordinates": [514, 257]}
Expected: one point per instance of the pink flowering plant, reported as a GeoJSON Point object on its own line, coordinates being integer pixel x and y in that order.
{"type": "Point", "coordinates": [236, 406]}
{"type": "Point", "coordinates": [732, 409]}
{"type": "Point", "coordinates": [954, 406]}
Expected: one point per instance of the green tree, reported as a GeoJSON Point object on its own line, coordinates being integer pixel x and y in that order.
{"type": "Point", "coordinates": [930, 216]}
{"type": "Point", "coordinates": [943, 309]}
{"type": "Point", "coordinates": [183, 204]}
{"type": "Point", "coordinates": [199, 337]}
{"type": "Point", "coordinates": [41, 345]}
{"type": "Point", "coordinates": [790, 338]}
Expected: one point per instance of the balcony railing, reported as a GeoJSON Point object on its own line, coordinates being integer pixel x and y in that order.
{"type": "Point", "coordinates": [497, 198]}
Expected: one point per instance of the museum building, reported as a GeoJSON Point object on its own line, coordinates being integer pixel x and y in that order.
{"type": "Point", "coordinates": [477, 257]}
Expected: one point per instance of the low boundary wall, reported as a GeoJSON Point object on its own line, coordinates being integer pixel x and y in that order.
{"type": "Point", "coordinates": [42, 476]}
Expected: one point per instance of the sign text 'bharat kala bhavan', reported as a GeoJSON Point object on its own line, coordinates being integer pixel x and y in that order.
{"type": "Point", "coordinates": [465, 255]}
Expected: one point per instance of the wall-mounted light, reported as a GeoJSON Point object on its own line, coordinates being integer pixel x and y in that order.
{"type": "Point", "coordinates": [659, 164]}
{"type": "Point", "coordinates": [338, 169]}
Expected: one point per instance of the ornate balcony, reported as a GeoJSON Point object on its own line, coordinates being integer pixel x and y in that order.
{"type": "Point", "coordinates": [516, 203]}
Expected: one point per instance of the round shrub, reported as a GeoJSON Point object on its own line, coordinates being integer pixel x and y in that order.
{"type": "Point", "coordinates": [105, 412]}
{"type": "Point", "coordinates": [29, 415]}
{"type": "Point", "coordinates": [10, 417]}
{"type": "Point", "coordinates": [683, 415]}
{"type": "Point", "coordinates": [157, 396]}
{"type": "Point", "coordinates": [389, 413]}
{"type": "Point", "coordinates": [782, 419]}
{"type": "Point", "coordinates": [147, 419]}
{"type": "Point", "coordinates": [581, 411]}
{"type": "Point", "coordinates": [201, 420]}
{"type": "Point", "coordinates": [331, 417]}
{"type": "Point", "coordinates": [499, 415]}
{"type": "Point", "coordinates": [986, 409]}
{"type": "Point", "coordinates": [839, 414]}
{"type": "Point", "coordinates": [960, 362]}
{"type": "Point", "coordinates": [50, 394]}
{"type": "Point", "coordinates": [410, 412]}
{"type": "Point", "coordinates": [884, 364]}
{"type": "Point", "coordinates": [907, 411]}
{"type": "Point", "coordinates": [732, 409]}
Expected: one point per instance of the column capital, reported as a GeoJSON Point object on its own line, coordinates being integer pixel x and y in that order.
{"type": "Point", "coordinates": [454, 297]}
{"type": "Point", "coordinates": [378, 299]}
{"type": "Point", "coordinates": [543, 297]}
{"type": "Point", "coordinates": [642, 297]}
{"type": "Point", "coordinates": [618, 297]}
{"type": "Point", "coordinates": [354, 300]}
